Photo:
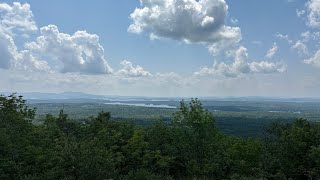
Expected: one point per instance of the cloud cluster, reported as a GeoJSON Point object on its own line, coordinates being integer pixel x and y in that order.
{"type": "Point", "coordinates": [199, 21]}
{"type": "Point", "coordinates": [313, 16]}
{"type": "Point", "coordinates": [311, 13]}
{"type": "Point", "coordinates": [129, 70]}
{"type": "Point", "coordinates": [52, 50]}
{"type": "Point", "coordinates": [80, 52]}
{"type": "Point", "coordinates": [16, 17]}
{"type": "Point", "coordinates": [190, 21]}
{"type": "Point", "coordinates": [241, 66]}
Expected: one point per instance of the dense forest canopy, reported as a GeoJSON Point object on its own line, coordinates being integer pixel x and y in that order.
{"type": "Point", "coordinates": [189, 147]}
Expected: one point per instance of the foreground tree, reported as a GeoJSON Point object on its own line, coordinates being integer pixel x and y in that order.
{"type": "Point", "coordinates": [196, 139]}
{"type": "Point", "coordinates": [16, 136]}
{"type": "Point", "coordinates": [296, 148]}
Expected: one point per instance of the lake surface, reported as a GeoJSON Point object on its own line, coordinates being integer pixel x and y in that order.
{"type": "Point", "coordinates": [295, 112]}
{"type": "Point", "coordinates": [143, 105]}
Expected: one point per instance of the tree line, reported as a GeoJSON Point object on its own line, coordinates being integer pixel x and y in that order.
{"type": "Point", "coordinates": [189, 147]}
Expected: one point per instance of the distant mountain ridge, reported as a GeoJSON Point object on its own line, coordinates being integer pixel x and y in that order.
{"type": "Point", "coordinates": [81, 95]}
{"type": "Point", "coordinates": [64, 95]}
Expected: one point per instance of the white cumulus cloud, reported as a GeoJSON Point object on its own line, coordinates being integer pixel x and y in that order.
{"type": "Point", "coordinates": [313, 16]}
{"type": "Point", "coordinates": [80, 52]}
{"type": "Point", "coordinates": [191, 21]}
{"type": "Point", "coordinates": [266, 67]}
{"type": "Point", "coordinates": [241, 66]}
{"type": "Point", "coordinates": [17, 17]}
{"type": "Point", "coordinates": [129, 70]}
{"type": "Point", "coordinates": [311, 13]}
{"type": "Point", "coordinates": [52, 50]}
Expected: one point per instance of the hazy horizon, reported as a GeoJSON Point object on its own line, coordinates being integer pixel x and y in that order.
{"type": "Point", "coordinates": [71, 94]}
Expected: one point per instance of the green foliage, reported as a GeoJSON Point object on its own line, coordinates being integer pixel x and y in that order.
{"type": "Point", "coordinates": [16, 137]}
{"type": "Point", "coordinates": [295, 146]}
{"type": "Point", "coordinates": [314, 157]}
{"type": "Point", "coordinates": [191, 147]}
{"type": "Point", "coordinates": [195, 138]}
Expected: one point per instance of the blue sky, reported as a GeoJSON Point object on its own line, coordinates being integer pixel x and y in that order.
{"type": "Point", "coordinates": [162, 48]}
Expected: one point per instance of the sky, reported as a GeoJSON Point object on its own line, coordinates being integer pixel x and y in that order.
{"type": "Point", "coordinates": [161, 48]}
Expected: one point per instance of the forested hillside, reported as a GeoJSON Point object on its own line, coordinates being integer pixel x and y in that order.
{"type": "Point", "coordinates": [189, 147]}
{"type": "Point", "coordinates": [240, 117]}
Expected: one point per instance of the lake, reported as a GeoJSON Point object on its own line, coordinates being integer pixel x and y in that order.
{"type": "Point", "coordinates": [143, 105]}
